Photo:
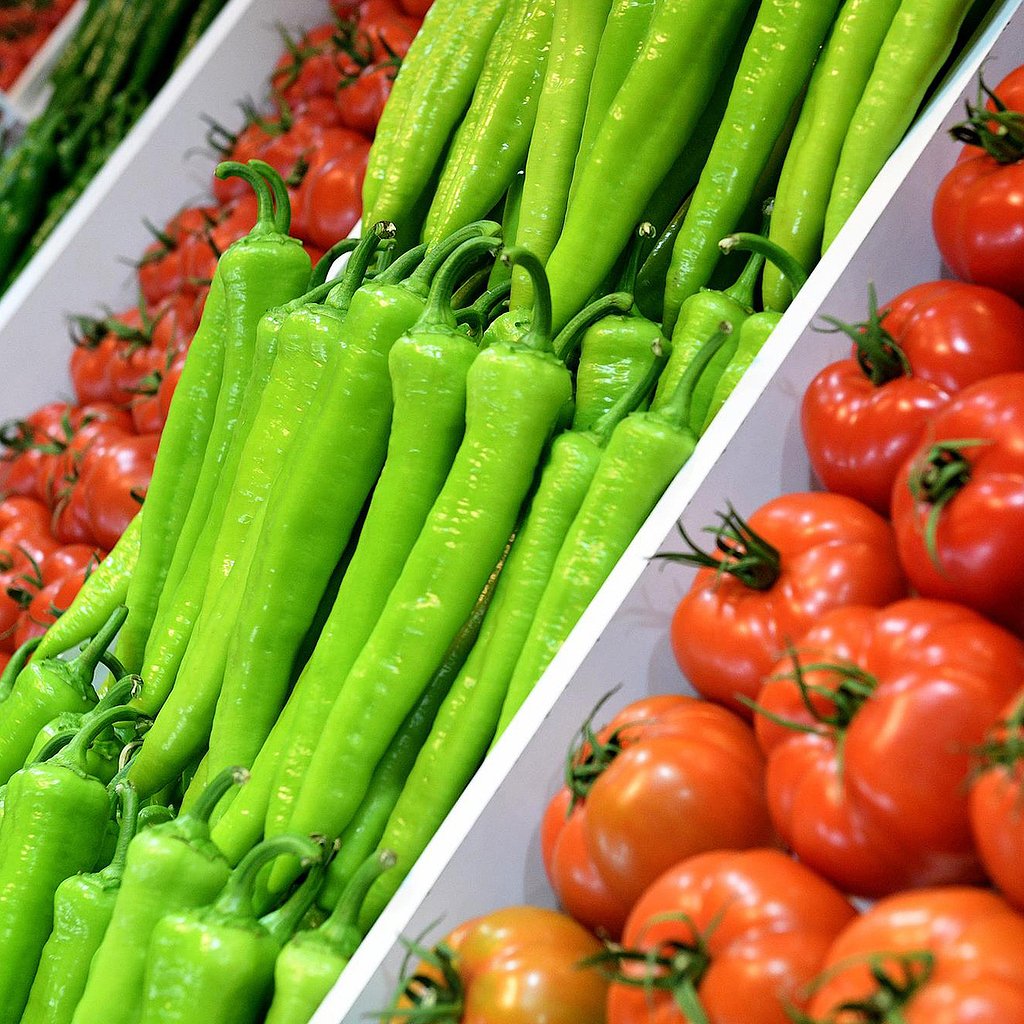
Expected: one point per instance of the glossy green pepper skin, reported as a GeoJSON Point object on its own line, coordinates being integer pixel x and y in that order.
{"type": "Point", "coordinates": [217, 963]}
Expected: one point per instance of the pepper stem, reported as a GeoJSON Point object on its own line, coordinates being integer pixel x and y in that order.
{"type": "Point", "coordinates": [265, 223]}
{"type": "Point", "coordinates": [677, 408]}
{"type": "Point", "coordinates": [787, 265]}
{"type": "Point", "coordinates": [279, 190]}
{"type": "Point", "coordinates": [569, 337]}
{"type": "Point", "coordinates": [341, 929]}
{"type": "Point", "coordinates": [85, 664]}
{"type": "Point", "coordinates": [129, 799]}
{"type": "Point", "coordinates": [405, 265]}
{"type": "Point", "coordinates": [645, 232]}
{"type": "Point", "coordinates": [283, 922]}
{"type": "Point", "coordinates": [631, 400]}
{"type": "Point", "coordinates": [341, 295]}
{"type": "Point", "coordinates": [324, 264]}
{"type": "Point", "coordinates": [438, 255]}
{"type": "Point", "coordinates": [879, 354]}
{"type": "Point", "coordinates": [215, 789]}
{"type": "Point", "coordinates": [538, 338]}
{"type": "Point", "coordinates": [74, 753]}
{"type": "Point", "coordinates": [237, 896]}
{"type": "Point", "coordinates": [438, 310]}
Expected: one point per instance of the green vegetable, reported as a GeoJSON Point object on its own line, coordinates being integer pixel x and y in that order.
{"type": "Point", "coordinates": [775, 66]}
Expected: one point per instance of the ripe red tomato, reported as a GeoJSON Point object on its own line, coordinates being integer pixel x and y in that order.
{"type": "Point", "coordinates": [387, 27]}
{"type": "Point", "coordinates": [114, 484]}
{"type": "Point", "coordinates": [362, 99]}
{"type": "Point", "coordinates": [958, 503]}
{"type": "Point", "coordinates": [416, 8]}
{"type": "Point", "coordinates": [951, 955]}
{"type": "Point", "coordinates": [676, 776]}
{"type": "Point", "coordinates": [797, 557]}
{"type": "Point", "coordinates": [863, 416]}
{"type": "Point", "coordinates": [25, 537]}
{"type": "Point", "coordinates": [978, 211]}
{"type": "Point", "coordinates": [997, 803]}
{"type": "Point", "coordinates": [868, 785]}
{"type": "Point", "coordinates": [329, 201]}
{"type": "Point", "coordinates": [734, 937]}
{"type": "Point", "coordinates": [518, 965]}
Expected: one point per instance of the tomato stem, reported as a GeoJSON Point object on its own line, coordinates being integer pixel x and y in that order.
{"type": "Point", "coordinates": [999, 133]}
{"type": "Point", "coordinates": [878, 353]}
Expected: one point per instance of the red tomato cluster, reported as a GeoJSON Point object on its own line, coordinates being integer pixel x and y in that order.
{"type": "Point", "coordinates": [75, 474]}
{"type": "Point", "coordinates": [24, 26]}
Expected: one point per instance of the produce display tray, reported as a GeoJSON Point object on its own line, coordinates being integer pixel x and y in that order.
{"type": "Point", "coordinates": [163, 164]}
{"type": "Point", "coordinates": [487, 853]}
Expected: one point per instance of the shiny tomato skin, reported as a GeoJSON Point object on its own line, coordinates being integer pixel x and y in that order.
{"type": "Point", "coordinates": [518, 965]}
{"type": "Point", "coordinates": [997, 807]}
{"type": "Point", "coordinates": [689, 778]}
{"type": "Point", "coordinates": [834, 551]}
{"type": "Point", "coordinates": [329, 201]}
{"type": "Point", "coordinates": [362, 100]}
{"type": "Point", "coordinates": [953, 334]}
{"type": "Point", "coordinates": [767, 923]}
{"type": "Point", "coordinates": [979, 540]}
{"type": "Point", "coordinates": [938, 675]}
{"type": "Point", "coordinates": [975, 938]}
{"type": "Point", "coordinates": [114, 483]}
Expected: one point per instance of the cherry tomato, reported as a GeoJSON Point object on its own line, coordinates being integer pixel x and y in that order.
{"type": "Point", "coordinates": [675, 776]}
{"type": "Point", "coordinates": [518, 965]}
{"type": "Point", "coordinates": [958, 503]}
{"type": "Point", "coordinates": [387, 27]}
{"type": "Point", "coordinates": [951, 955]}
{"type": "Point", "coordinates": [863, 416]}
{"type": "Point", "coordinates": [70, 559]}
{"type": "Point", "coordinates": [168, 383]}
{"type": "Point", "coordinates": [25, 537]}
{"type": "Point", "coordinates": [362, 99]}
{"type": "Point", "coordinates": [735, 936]}
{"type": "Point", "coordinates": [329, 201]}
{"type": "Point", "coordinates": [997, 803]}
{"type": "Point", "coordinates": [868, 781]}
{"type": "Point", "coordinates": [114, 483]}
{"type": "Point", "coordinates": [802, 554]}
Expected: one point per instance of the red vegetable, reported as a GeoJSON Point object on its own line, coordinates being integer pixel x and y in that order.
{"type": "Point", "coordinates": [730, 937]}
{"type": "Point", "coordinates": [770, 579]}
{"type": "Point", "coordinates": [868, 735]}
{"type": "Point", "coordinates": [667, 778]}
{"type": "Point", "coordinates": [958, 503]}
{"type": "Point", "coordinates": [863, 416]}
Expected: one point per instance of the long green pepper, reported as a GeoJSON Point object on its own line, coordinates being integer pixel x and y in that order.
{"type": "Point", "coordinates": [55, 821]}
{"type": "Point", "coordinates": [561, 109]}
{"type": "Point", "coordinates": [169, 867]}
{"type": "Point", "coordinates": [776, 64]}
{"type": "Point", "coordinates": [428, 367]}
{"type": "Point", "coordinates": [515, 396]}
{"type": "Point", "coordinates": [491, 144]}
{"type": "Point", "coordinates": [82, 908]}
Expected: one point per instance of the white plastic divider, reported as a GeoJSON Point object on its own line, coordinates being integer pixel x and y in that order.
{"type": "Point", "coordinates": [163, 164]}
{"type": "Point", "coordinates": [487, 852]}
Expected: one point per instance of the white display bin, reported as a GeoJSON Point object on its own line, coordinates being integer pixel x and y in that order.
{"type": "Point", "coordinates": [487, 853]}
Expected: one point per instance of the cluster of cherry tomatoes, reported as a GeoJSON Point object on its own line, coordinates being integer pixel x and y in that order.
{"type": "Point", "coordinates": [859, 652]}
{"type": "Point", "coordinates": [72, 475]}
{"type": "Point", "coordinates": [24, 26]}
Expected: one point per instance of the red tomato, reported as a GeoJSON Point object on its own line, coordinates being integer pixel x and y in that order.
{"type": "Point", "coordinates": [13, 594]}
{"type": "Point", "coordinates": [958, 503]}
{"type": "Point", "coordinates": [735, 935]}
{"type": "Point", "coordinates": [328, 203]}
{"type": "Point", "coordinates": [997, 803]}
{"type": "Point", "coordinates": [362, 99]}
{"type": "Point", "coordinates": [863, 416]}
{"type": "Point", "coordinates": [114, 484]}
{"type": "Point", "coordinates": [71, 559]}
{"type": "Point", "coordinates": [518, 965]}
{"type": "Point", "coordinates": [953, 955]}
{"type": "Point", "coordinates": [802, 554]}
{"type": "Point", "coordinates": [676, 776]}
{"type": "Point", "coordinates": [416, 8]}
{"type": "Point", "coordinates": [25, 537]}
{"type": "Point", "coordinates": [71, 523]}
{"type": "Point", "coordinates": [168, 383]}
{"type": "Point", "coordinates": [387, 27]}
{"type": "Point", "coordinates": [868, 783]}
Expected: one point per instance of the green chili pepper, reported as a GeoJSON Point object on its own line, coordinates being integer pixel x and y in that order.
{"type": "Point", "coordinates": [303, 339]}
{"type": "Point", "coordinates": [428, 367]}
{"type": "Point", "coordinates": [917, 44]}
{"type": "Point", "coordinates": [105, 588]}
{"type": "Point", "coordinates": [183, 443]}
{"type": "Point", "coordinates": [363, 832]}
{"type": "Point", "coordinates": [18, 661]}
{"type": "Point", "coordinates": [82, 907]}
{"type": "Point", "coordinates": [633, 152]}
{"type": "Point", "coordinates": [516, 395]}
{"type": "Point", "coordinates": [490, 145]}
{"type": "Point", "coordinates": [645, 452]}
{"type": "Point", "coordinates": [274, 618]}
{"type": "Point", "coordinates": [383, 309]}
{"type": "Point", "coordinates": [55, 818]}
{"type": "Point", "coordinates": [430, 95]}
{"type": "Point", "coordinates": [561, 109]}
{"type": "Point", "coordinates": [102, 756]}
{"type": "Point", "coordinates": [754, 330]}
{"type": "Point", "coordinates": [775, 66]}
{"type": "Point", "coordinates": [836, 86]}
{"type": "Point", "coordinates": [622, 42]}
{"type": "Point", "coordinates": [266, 269]}
{"type": "Point", "coordinates": [45, 688]}
{"type": "Point", "coordinates": [218, 961]}
{"type": "Point", "coordinates": [477, 318]}
{"type": "Point", "coordinates": [309, 965]}
{"type": "Point", "coordinates": [169, 867]}
{"type": "Point", "coordinates": [202, 18]}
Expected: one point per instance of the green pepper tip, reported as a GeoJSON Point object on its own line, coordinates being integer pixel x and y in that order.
{"type": "Point", "coordinates": [385, 230]}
